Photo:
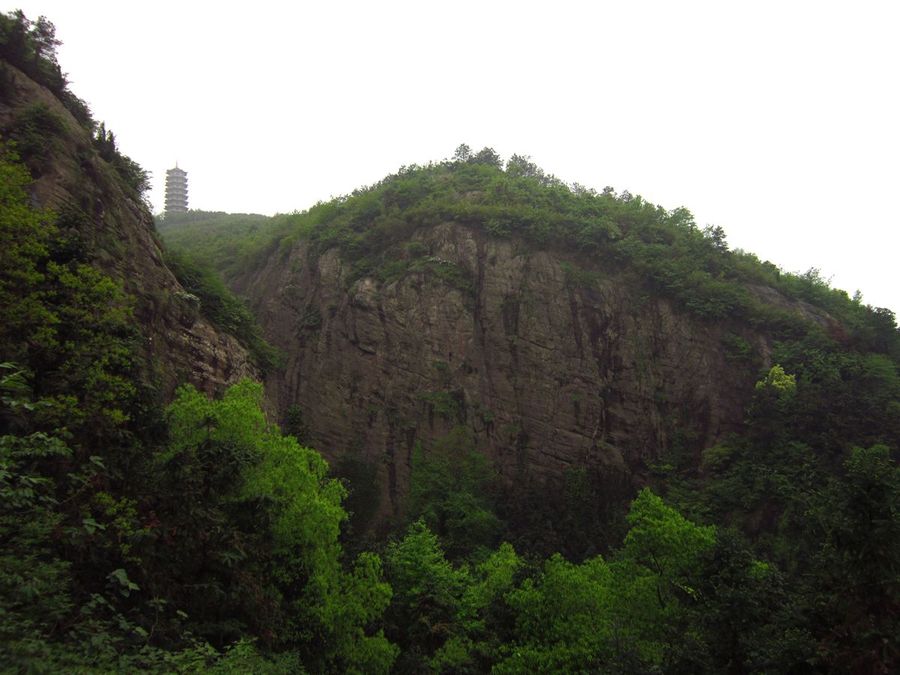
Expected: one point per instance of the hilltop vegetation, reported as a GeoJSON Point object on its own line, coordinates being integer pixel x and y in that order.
{"type": "Point", "coordinates": [194, 535]}
{"type": "Point", "coordinates": [219, 240]}
{"type": "Point", "coordinates": [663, 249]}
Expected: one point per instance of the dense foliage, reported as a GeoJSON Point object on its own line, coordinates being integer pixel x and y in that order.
{"type": "Point", "coordinates": [134, 539]}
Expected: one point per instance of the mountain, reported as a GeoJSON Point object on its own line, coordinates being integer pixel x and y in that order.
{"type": "Point", "coordinates": [564, 329]}
{"type": "Point", "coordinates": [486, 353]}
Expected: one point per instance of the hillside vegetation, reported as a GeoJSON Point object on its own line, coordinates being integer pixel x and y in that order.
{"type": "Point", "coordinates": [194, 535]}
{"type": "Point", "coordinates": [664, 249]}
{"type": "Point", "coordinates": [218, 239]}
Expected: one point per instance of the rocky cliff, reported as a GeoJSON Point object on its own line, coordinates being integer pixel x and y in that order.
{"type": "Point", "coordinates": [548, 370]}
{"type": "Point", "coordinates": [115, 231]}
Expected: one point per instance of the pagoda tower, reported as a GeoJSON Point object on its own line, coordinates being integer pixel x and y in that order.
{"type": "Point", "coordinates": [176, 191]}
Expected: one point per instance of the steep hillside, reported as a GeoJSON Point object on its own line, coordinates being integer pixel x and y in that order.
{"type": "Point", "coordinates": [564, 328]}
{"type": "Point", "coordinates": [547, 372]}
{"type": "Point", "coordinates": [95, 193]}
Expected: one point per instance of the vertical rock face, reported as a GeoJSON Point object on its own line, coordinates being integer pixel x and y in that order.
{"type": "Point", "coordinates": [116, 233]}
{"type": "Point", "coordinates": [547, 370]}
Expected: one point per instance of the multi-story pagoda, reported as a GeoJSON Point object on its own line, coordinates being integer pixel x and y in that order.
{"type": "Point", "coordinates": [176, 191]}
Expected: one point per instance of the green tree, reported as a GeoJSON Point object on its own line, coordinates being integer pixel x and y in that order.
{"type": "Point", "coordinates": [654, 582]}
{"type": "Point", "coordinates": [44, 40]}
{"type": "Point", "coordinates": [630, 614]}
{"type": "Point", "coordinates": [488, 157]}
{"type": "Point", "coordinates": [856, 523]}
{"type": "Point", "coordinates": [315, 604]}
{"type": "Point", "coordinates": [743, 617]}
{"type": "Point", "coordinates": [484, 619]}
{"type": "Point", "coordinates": [463, 153]}
{"type": "Point", "coordinates": [563, 619]}
{"type": "Point", "coordinates": [35, 583]}
{"type": "Point", "coordinates": [428, 592]}
{"type": "Point", "coordinates": [451, 487]}
{"type": "Point", "coordinates": [662, 540]}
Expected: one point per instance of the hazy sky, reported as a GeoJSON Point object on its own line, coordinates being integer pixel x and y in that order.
{"type": "Point", "coordinates": [776, 120]}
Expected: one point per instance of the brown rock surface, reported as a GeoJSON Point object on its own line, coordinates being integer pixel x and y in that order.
{"type": "Point", "coordinates": [547, 373]}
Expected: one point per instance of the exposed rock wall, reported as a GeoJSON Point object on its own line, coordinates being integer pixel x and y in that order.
{"type": "Point", "coordinates": [548, 372]}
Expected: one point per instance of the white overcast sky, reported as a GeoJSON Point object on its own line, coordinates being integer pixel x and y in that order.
{"type": "Point", "coordinates": [776, 120]}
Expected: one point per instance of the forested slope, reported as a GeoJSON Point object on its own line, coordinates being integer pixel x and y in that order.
{"type": "Point", "coordinates": [95, 194]}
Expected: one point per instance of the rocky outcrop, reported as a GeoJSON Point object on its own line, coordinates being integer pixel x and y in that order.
{"type": "Point", "coordinates": [550, 361]}
{"type": "Point", "coordinates": [116, 232]}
